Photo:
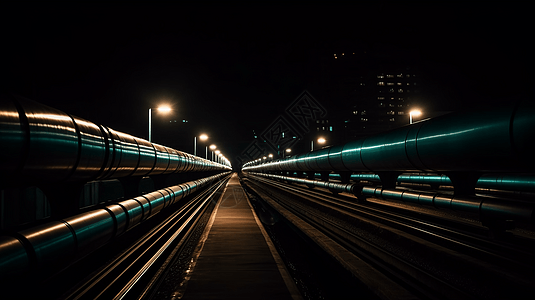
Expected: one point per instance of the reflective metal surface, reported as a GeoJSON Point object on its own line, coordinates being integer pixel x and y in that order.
{"type": "Point", "coordinates": [59, 241]}
{"type": "Point", "coordinates": [42, 145]}
{"type": "Point", "coordinates": [492, 140]}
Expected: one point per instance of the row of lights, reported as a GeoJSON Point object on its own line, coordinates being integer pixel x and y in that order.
{"type": "Point", "coordinates": [322, 140]}
{"type": "Point", "coordinates": [219, 157]}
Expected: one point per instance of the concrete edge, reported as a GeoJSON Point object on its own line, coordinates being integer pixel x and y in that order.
{"type": "Point", "coordinates": [288, 280]}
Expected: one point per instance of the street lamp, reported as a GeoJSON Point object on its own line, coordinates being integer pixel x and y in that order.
{"type": "Point", "coordinates": [320, 141]}
{"type": "Point", "coordinates": [414, 113]}
{"type": "Point", "coordinates": [202, 137]}
{"type": "Point", "coordinates": [213, 147]}
{"type": "Point", "coordinates": [218, 153]}
{"type": "Point", "coordinates": [162, 108]}
{"type": "Point", "coordinates": [288, 151]}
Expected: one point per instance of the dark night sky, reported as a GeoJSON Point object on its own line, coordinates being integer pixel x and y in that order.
{"type": "Point", "coordinates": [230, 69]}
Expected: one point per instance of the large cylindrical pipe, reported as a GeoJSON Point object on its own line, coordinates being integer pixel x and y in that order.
{"type": "Point", "coordinates": [488, 140]}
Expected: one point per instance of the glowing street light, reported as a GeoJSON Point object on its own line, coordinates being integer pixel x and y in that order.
{"type": "Point", "coordinates": [414, 113]}
{"type": "Point", "coordinates": [163, 109]}
{"type": "Point", "coordinates": [218, 153]}
{"type": "Point", "coordinates": [202, 137]}
{"type": "Point", "coordinates": [213, 147]}
{"type": "Point", "coordinates": [320, 141]}
{"type": "Point", "coordinates": [288, 151]}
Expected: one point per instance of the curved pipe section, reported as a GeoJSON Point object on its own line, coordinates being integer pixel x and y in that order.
{"type": "Point", "coordinates": [62, 240]}
{"type": "Point", "coordinates": [483, 141]}
{"type": "Point", "coordinates": [40, 144]}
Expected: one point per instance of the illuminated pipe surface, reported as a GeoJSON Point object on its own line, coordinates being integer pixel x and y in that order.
{"type": "Point", "coordinates": [484, 141]}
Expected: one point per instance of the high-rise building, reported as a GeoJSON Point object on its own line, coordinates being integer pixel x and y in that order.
{"type": "Point", "coordinates": [367, 92]}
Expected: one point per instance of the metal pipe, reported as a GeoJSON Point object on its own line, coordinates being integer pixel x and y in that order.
{"type": "Point", "coordinates": [488, 140]}
{"type": "Point", "coordinates": [42, 145]}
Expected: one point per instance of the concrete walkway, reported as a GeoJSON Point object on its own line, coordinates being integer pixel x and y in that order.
{"type": "Point", "coordinates": [236, 259]}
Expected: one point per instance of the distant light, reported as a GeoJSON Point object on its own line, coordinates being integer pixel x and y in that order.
{"type": "Point", "coordinates": [270, 155]}
{"type": "Point", "coordinates": [288, 150]}
{"type": "Point", "coordinates": [415, 112]}
{"type": "Point", "coordinates": [213, 147]}
{"type": "Point", "coordinates": [203, 137]}
{"type": "Point", "coordinates": [321, 140]}
{"type": "Point", "coordinates": [164, 108]}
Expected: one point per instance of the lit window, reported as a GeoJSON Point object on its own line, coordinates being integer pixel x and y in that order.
{"type": "Point", "coordinates": [390, 112]}
{"type": "Point", "coordinates": [381, 98]}
{"type": "Point", "coordinates": [330, 128]}
{"type": "Point", "coordinates": [363, 119]}
{"type": "Point", "coordinates": [400, 75]}
{"type": "Point", "coordinates": [317, 129]}
{"type": "Point", "coordinates": [399, 83]}
{"type": "Point", "coordinates": [408, 76]}
{"type": "Point", "coordinates": [400, 105]}
{"type": "Point", "coordinates": [323, 128]}
{"type": "Point", "coordinates": [355, 112]}
{"type": "Point", "coordinates": [381, 104]}
{"type": "Point", "coordinates": [408, 83]}
{"type": "Point", "coordinates": [391, 119]}
{"type": "Point", "coordinates": [400, 98]}
{"type": "Point", "coordinates": [391, 105]}
{"type": "Point", "coordinates": [391, 90]}
{"type": "Point", "coordinates": [380, 76]}
{"type": "Point", "coordinates": [400, 90]}
{"type": "Point", "coordinates": [363, 112]}
{"type": "Point", "coordinates": [389, 83]}
{"type": "Point", "coordinates": [389, 76]}
{"type": "Point", "coordinates": [401, 113]}
{"type": "Point", "coordinates": [380, 83]}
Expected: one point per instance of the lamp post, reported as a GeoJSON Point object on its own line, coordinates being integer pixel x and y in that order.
{"type": "Point", "coordinates": [164, 109]}
{"type": "Point", "coordinates": [287, 152]}
{"type": "Point", "coordinates": [202, 137]}
{"type": "Point", "coordinates": [213, 147]}
{"type": "Point", "coordinates": [218, 153]}
{"type": "Point", "coordinates": [320, 141]}
{"type": "Point", "coordinates": [413, 113]}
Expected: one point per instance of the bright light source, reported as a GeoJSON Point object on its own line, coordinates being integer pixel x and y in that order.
{"type": "Point", "coordinates": [321, 140]}
{"type": "Point", "coordinates": [288, 150]}
{"type": "Point", "coordinates": [415, 113]}
{"type": "Point", "coordinates": [164, 108]}
{"type": "Point", "coordinates": [270, 155]}
{"type": "Point", "coordinates": [203, 137]}
{"type": "Point", "coordinates": [217, 152]}
{"type": "Point", "coordinates": [213, 147]}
